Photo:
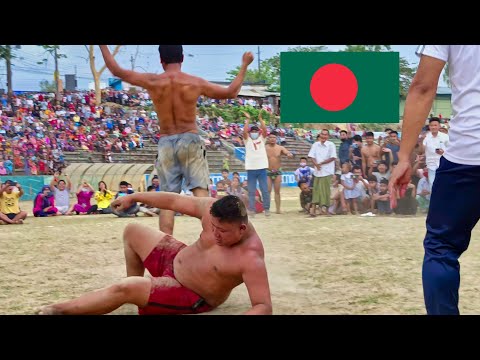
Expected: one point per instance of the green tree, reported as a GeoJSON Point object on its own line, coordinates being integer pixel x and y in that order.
{"type": "Point", "coordinates": [46, 86]}
{"type": "Point", "coordinates": [269, 73]}
{"type": "Point", "coordinates": [98, 73]}
{"type": "Point", "coordinates": [53, 51]}
{"type": "Point", "coordinates": [7, 54]}
{"type": "Point", "coordinates": [446, 74]}
{"type": "Point", "coordinates": [406, 71]}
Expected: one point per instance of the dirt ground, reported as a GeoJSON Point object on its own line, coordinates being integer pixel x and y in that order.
{"type": "Point", "coordinates": [325, 265]}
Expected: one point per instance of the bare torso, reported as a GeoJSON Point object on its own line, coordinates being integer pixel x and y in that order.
{"type": "Point", "coordinates": [274, 154]}
{"type": "Point", "coordinates": [175, 95]}
{"type": "Point", "coordinates": [372, 153]}
{"type": "Point", "coordinates": [212, 271]}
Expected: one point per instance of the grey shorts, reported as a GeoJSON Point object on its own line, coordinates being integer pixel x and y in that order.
{"type": "Point", "coordinates": [182, 157]}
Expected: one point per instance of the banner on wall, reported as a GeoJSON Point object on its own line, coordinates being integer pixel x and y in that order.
{"type": "Point", "coordinates": [288, 178]}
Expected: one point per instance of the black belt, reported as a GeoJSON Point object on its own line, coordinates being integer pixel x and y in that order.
{"type": "Point", "coordinates": [194, 307]}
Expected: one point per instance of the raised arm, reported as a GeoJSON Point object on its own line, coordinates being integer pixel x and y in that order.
{"type": "Point", "coordinates": [189, 205]}
{"type": "Point", "coordinates": [20, 188]}
{"type": "Point", "coordinates": [256, 280]}
{"type": "Point", "coordinates": [144, 80]}
{"type": "Point", "coordinates": [262, 125]}
{"type": "Point", "coordinates": [215, 91]}
{"type": "Point", "coordinates": [246, 125]}
{"type": "Point", "coordinates": [54, 181]}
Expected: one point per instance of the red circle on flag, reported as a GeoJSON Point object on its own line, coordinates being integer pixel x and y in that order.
{"type": "Point", "coordinates": [334, 87]}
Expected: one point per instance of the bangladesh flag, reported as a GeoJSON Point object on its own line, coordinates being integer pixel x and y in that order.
{"type": "Point", "coordinates": [339, 87]}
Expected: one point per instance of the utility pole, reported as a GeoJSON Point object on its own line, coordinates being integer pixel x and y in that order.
{"type": "Point", "coordinates": [57, 77]}
{"type": "Point", "coordinates": [258, 57]}
{"type": "Point", "coordinates": [8, 60]}
{"type": "Point", "coordinates": [134, 59]}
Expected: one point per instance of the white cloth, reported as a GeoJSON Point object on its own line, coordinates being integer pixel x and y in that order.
{"type": "Point", "coordinates": [321, 152]}
{"type": "Point", "coordinates": [432, 143]}
{"type": "Point", "coordinates": [255, 154]}
{"type": "Point", "coordinates": [464, 74]}
{"type": "Point", "coordinates": [62, 198]}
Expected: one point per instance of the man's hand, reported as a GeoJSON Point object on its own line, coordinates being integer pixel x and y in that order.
{"type": "Point", "coordinates": [439, 151]}
{"type": "Point", "coordinates": [246, 114]}
{"type": "Point", "coordinates": [290, 155]}
{"type": "Point", "coordinates": [123, 203]}
{"type": "Point", "coordinates": [247, 58]}
{"type": "Point", "coordinates": [318, 166]}
{"type": "Point", "coordinates": [399, 181]}
{"type": "Point", "coordinates": [18, 185]}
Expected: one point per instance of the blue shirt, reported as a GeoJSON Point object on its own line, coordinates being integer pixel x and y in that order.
{"type": "Point", "coordinates": [343, 150]}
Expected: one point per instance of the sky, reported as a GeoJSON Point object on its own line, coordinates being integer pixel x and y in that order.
{"type": "Point", "coordinates": [211, 62]}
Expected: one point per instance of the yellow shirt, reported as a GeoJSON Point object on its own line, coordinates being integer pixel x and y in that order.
{"type": "Point", "coordinates": [9, 203]}
{"type": "Point", "coordinates": [103, 201]}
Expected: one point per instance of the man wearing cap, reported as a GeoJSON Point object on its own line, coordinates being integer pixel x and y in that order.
{"type": "Point", "coordinates": [9, 203]}
{"type": "Point", "coordinates": [256, 163]}
{"type": "Point", "coordinates": [181, 152]}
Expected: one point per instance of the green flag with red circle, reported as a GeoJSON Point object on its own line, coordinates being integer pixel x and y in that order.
{"type": "Point", "coordinates": [339, 87]}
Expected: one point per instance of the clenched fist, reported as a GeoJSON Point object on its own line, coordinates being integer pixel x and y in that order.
{"type": "Point", "coordinates": [123, 203]}
{"type": "Point", "coordinates": [247, 58]}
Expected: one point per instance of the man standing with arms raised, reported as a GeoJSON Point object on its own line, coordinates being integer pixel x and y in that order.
{"type": "Point", "coordinates": [181, 155]}
{"type": "Point", "coordinates": [256, 163]}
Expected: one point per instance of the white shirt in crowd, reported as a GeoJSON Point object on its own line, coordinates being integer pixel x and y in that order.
{"type": "Point", "coordinates": [62, 198]}
{"type": "Point", "coordinates": [321, 152]}
{"type": "Point", "coordinates": [255, 154]}
{"type": "Point", "coordinates": [423, 185]}
{"type": "Point", "coordinates": [464, 74]}
{"type": "Point", "coordinates": [432, 143]}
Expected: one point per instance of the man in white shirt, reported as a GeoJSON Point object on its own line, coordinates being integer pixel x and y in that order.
{"type": "Point", "coordinates": [423, 192]}
{"type": "Point", "coordinates": [61, 191]}
{"type": "Point", "coordinates": [434, 144]}
{"type": "Point", "coordinates": [323, 155]}
{"type": "Point", "coordinates": [454, 209]}
{"type": "Point", "coordinates": [256, 163]}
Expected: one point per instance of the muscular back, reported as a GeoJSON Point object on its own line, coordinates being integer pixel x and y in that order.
{"type": "Point", "coordinates": [175, 97]}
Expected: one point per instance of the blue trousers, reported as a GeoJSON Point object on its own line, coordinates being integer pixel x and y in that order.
{"type": "Point", "coordinates": [454, 211]}
{"type": "Point", "coordinates": [252, 177]}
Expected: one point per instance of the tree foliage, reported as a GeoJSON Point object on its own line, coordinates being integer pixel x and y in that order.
{"type": "Point", "coordinates": [46, 86]}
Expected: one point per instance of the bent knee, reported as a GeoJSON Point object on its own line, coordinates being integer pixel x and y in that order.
{"type": "Point", "coordinates": [134, 289]}
{"type": "Point", "coordinates": [131, 232]}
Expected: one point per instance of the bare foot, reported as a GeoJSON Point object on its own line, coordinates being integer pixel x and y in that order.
{"type": "Point", "coordinates": [48, 310]}
{"type": "Point", "coordinates": [19, 222]}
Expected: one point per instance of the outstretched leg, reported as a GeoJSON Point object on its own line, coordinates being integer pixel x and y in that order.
{"type": "Point", "coordinates": [132, 290]}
